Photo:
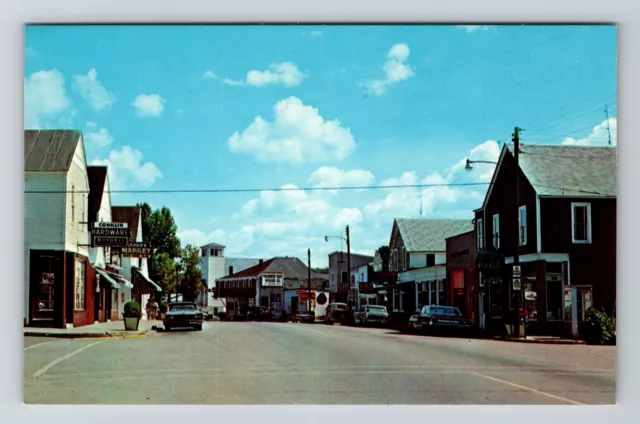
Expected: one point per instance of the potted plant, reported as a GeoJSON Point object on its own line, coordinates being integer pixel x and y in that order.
{"type": "Point", "coordinates": [132, 315]}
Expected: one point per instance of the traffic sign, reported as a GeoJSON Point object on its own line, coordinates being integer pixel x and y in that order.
{"type": "Point", "coordinates": [517, 284]}
{"type": "Point", "coordinates": [516, 271]}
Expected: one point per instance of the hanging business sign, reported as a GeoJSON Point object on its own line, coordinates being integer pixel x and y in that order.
{"type": "Point", "coordinates": [110, 225]}
{"type": "Point", "coordinates": [137, 250]}
{"type": "Point", "coordinates": [101, 241]}
{"type": "Point", "coordinates": [110, 234]}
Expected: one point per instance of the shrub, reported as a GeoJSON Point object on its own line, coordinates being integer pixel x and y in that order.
{"type": "Point", "coordinates": [132, 309]}
{"type": "Point", "coordinates": [600, 327]}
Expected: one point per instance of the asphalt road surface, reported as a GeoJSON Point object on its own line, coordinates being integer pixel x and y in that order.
{"type": "Point", "coordinates": [274, 363]}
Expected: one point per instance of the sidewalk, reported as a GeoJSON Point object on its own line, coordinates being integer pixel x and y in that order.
{"type": "Point", "coordinates": [101, 330]}
{"type": "Point", "coordinates": [541, 340]}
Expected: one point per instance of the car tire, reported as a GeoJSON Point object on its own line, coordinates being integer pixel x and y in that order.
{"type": "Point", "coordinates": [167, 328]}
{"type": "Point", "coordinates": [198, 327]}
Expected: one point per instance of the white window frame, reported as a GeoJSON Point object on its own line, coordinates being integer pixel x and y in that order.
{"type": "Point", "coordinates": [73, 203]}
{"type": "Point", "coordinates": [80, 286]}
{"type": "Point", "coordinates": [496, 231]}
{"type": "Point", "coordinates": [479, 234]}
{"type": "Point", "coordinates": [522, 235]}
{"type": "Point", "coordinates": [395, 260]}
{"type": "Point", "coordinates": [404, 259]}
{"type": "Point", "coordinates": [573, 220]}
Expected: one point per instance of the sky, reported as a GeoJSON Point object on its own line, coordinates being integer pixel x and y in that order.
{"type": "Point", "coordinates": [173, 108]}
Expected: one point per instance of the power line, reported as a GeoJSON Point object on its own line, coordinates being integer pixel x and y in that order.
{"type": "Point", "coordinates": [254, 190]}
{"type": "Point", "coordinates": [563, 118]}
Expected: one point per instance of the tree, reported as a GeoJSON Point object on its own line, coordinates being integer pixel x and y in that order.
{"type": "Point", "coordinates": [164, 272]}
{"type": "Point", "coordinates": [192, 276]}
{"type": "Point", "coordinates": [162, 231]}
{"type": "Point", "coordinates": [146, 211]}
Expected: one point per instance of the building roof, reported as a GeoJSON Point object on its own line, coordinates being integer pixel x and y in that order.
{"type": "Point", "coordinates": [97, 178]}
{"type": "Point", "coordinates": [49, 150]}
{"type": "Point", "coordinates": [292, 268]}
{"type": "Point", "coordinates": [240, 264]}
{"type": "Point", "coordinates": [128, 214]}
{"type": "Point", "coordinates": [569, 171]}
{"type": "Point", "coordinates": [429, 235]}
{"type": "Point", "coordinates": [212, 245]}
{"type": "Point", "coordinates": [337, 252]}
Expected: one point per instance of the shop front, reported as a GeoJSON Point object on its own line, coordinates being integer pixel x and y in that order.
{"type": "Point", "coordinates": [493, 300]}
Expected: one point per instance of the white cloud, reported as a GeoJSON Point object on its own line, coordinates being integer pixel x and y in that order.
{"type": "Point", "coordinates": [297, 135]}
{"type": "Point", "coordinates": [209, 75]}
{"type": "Point", "coordinates": [395, 69]}
{"type": "Point", "coordinates": [285, 73]}
{"type": "Point", "coordinates": [91, 124]}
{"type": "Point", "coordinates": [315, 33]}
{"type": "Point", "coordinates": [127, 170]}
{"type": "Point", "coordinates": [329, 176]}
{"type": "Point", "coordinates": [599, 135]}
{"type": "Point", "coordinates": [199, 238]}
{"type": "Point", "coordinates": [93, 91]}
{"type": "Point", "coordinates": [474, 28]}
{"type": "Point", "coordinates": [99, 138]}
{"type": "Point", "coordinates": [45, 97]}
{"type": "Point", "coordinates": [149, 105]}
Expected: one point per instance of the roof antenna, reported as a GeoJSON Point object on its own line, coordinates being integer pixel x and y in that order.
{"type": "Point", "coordinates": [606, 111]}
{"type": "Point", "coordinates": [420, 188]}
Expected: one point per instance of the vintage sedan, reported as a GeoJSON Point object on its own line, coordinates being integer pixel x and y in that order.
{"type": "Point", "coordinates": [182, 315]}
{"type": "Point", "coordinates": [304, 316]}
{"type": "Point", "coordinates": [438, 318]}
{"type": "Point", "coordinates": [371, 314]}
{"type": "Point", "coordinates": [259, 313]}
{"type": "Point", "coordinates": [336, 312]}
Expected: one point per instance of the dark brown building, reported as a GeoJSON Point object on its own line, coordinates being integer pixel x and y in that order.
{"type": "Point", "coordinates": [461, 270]}
{"type": "Point", "coordinates": [564, 227]}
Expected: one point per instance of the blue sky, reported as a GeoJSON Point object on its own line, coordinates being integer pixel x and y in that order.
{"type": "Point", "coordinates": [235, 107]}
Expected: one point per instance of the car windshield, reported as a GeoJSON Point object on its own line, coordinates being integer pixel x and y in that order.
{"type": "Point", "coordinates": [444, 310]}
{"type": "Point", "coordinates": [182, 308]}
{"type": "Point", "coordinates": [379, 309]}
{"type": "Point", "coordinates": [339, 307]}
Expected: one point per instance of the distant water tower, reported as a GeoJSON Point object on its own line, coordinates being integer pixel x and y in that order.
{"type": "Point", "coordinates": [212, 264]}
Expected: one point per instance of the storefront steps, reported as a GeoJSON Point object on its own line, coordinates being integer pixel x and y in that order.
{"type": "Point", "coordinates": [101, 330]}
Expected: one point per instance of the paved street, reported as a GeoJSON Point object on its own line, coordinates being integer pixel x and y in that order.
{"type": "Point", "coordinates": [275, 363]}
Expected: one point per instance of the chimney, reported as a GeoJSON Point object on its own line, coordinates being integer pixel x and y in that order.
{"type": "Point", "coordinates": [260, 262]}
{"type": "Point", "coordinates": [230, 270]}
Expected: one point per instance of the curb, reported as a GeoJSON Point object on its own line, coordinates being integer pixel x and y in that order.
{"type": "Point", "coordinates": [106, 335]}
{"type": "Point", "coordinates": [539, 341]}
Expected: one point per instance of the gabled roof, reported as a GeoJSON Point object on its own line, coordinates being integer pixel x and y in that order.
{"type": "Point", "coordinates": [564, 171]}
{"type": "Point", "coordinates": [97, 178]}
{"type": "Point", "coordinates": [430, 235]}
{"type": "Point", "coordinates": [240, 264]}
{"type": "Point", "coordinates": [212, 245]}
{"type": "Point", "coordinates": [570, 171]}
{"type": "Point", "coordinates": [292, 268]}
{"type": "Point", "coordinates": [49, 150]}
{"type": "Point", "coordinates": [128, 214]}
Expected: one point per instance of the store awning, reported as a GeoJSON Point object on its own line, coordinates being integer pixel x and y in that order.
{"type": "Point", "coordinates": [108, 279]}
{"type": "Point", "coordinates": [146, 279]}
{"type": "Point", "coordinates": [122, 280]}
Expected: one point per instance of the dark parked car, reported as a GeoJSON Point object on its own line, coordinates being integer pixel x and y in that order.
{"type": "Point", "coordinates": [305, 316]}
{"type": "Point", "coordinates": [434, 318]}
{"type": "Point", "coordinates": [336, 312]}
{"type": "Point", "coordinates": [183, 314]}
{"type": "Point", "coordinates": [259, 313]}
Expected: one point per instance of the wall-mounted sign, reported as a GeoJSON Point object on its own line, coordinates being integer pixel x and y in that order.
{"type": "Point", "coordinates": [272, 280]}
{"type": "Point", "coordinates": [322, 299]}
{"type": "Point", "coordinates": [517, 284]}
{"type": "Point", "coordinates": [517, 271]}
{"type": "Point", "coordinates": [137, 250]}
{"type": "Point", "coordinates": [101, 241]}
{"type": "Point", "coordinates": [110, 225]}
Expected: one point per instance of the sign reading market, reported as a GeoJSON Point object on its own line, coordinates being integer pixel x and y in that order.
{"type": "Point", "coordinates": [137, 250]}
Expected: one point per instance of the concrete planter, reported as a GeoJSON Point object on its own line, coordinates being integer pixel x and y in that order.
{"type": "Point", "coordinates": [131, 323]}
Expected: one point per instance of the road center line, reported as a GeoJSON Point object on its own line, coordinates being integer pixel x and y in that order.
{"type": "Point", "coordinates": [46, 368]}
{"type": "Point", "coordinates": [39, 344]}
{"type": "Point", "coordinates": [531, 389]}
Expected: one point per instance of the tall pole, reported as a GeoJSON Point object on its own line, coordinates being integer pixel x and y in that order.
{"type": "Point", "coordinates": [308, 280]}
{"type": "Point", "coordinates": [348, 258]}
{"type": "Point", "coordinates": [516, 256]}
{"type": "Point", "coordinates": [606, 111]}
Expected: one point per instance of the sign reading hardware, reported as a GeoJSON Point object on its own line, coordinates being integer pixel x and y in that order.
{"type": "Point", "coordinates": [111, 232]}
{"type": "Point", "coordinates": [139, 250]}
{"type": "Point", "coordinates": [100, 241]}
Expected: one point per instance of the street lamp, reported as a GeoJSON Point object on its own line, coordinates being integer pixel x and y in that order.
{"type": "Point", "coordinates": [348, 241]}
{"type": "Point", "coordinates": [516, 256]}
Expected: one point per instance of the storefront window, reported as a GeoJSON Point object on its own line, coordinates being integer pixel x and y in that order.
{"type": "Point", "coordinates": [495, 297]}
{"type": "Point", "coordinates": [531, 297]}
{"type": "Point", "coordinates": [79, 286]}
{"type": "Point", "coordinates": [554, 297]}
{"type": "Point", "coordinates": [567, 303]}
{"type": "Point", "coordinates": [584, 303]}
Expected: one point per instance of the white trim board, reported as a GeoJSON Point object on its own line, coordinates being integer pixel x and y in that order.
{"type": "Point", "coordinates": [547, 257]}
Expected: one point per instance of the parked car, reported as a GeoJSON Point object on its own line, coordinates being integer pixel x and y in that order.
{"type": "Point", "coordinates": [305, 316]}
{"type": "Point", "coordinates": [259, 313]}
{"type": "Point", "coordinates": [371, 314]}
{"type": "Point", "coordinates": [336, 312]}
{"type": "Point", "coordinates": [434, 318]}
{"type": "Point", "coordinates": [206, 315]}
{"type": "Point", "coordinates": [183, 314]}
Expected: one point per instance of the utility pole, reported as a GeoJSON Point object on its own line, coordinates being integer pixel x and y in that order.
{"type": "Point", "coordinates": [516, 256]}
{"type": "Point", "coordinates": [606, 111]}
{"type": "Point", "coordinates": [348, 258]}
{"type": "Point", "coordinates": [308, 280]}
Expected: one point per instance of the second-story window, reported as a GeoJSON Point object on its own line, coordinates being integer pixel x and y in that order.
{"type": "Point", "coordinates": [496, 231]}
{"type": "Point", "coordinates": [73, 203]}
{"type": "Point", "coordinates": [522, 225]}
{"type": "Point", "coordinates": [403, 258]}
{"type": "Point", "coordinates": [431, 259]}
{"type": "Point", "coordinates": [479, 234]}
{"type": "Point", "coordinates": [581, 222]}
